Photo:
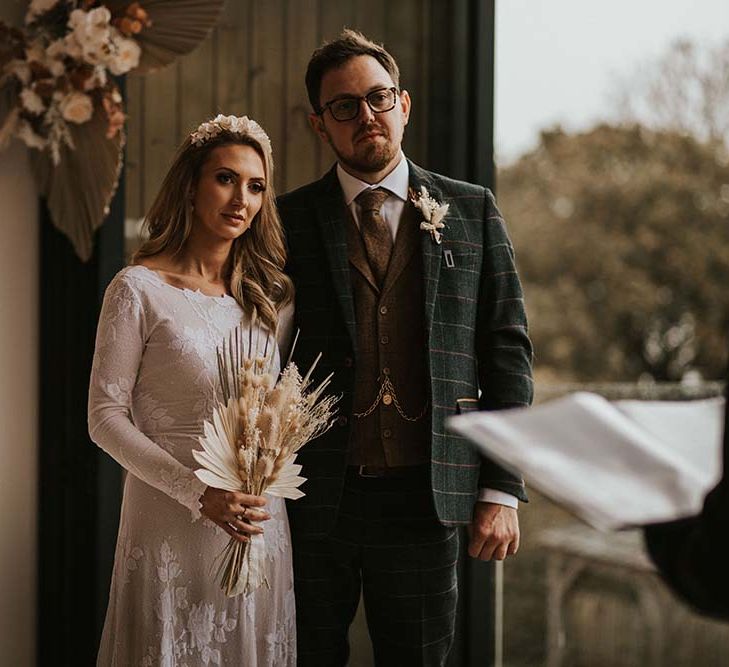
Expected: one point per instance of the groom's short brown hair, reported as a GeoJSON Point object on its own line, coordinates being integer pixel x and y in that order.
{"type": "Point", "coordinates": [336, 53]}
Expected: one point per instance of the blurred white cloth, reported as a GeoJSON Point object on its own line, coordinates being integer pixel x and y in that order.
{"type": "Point", "coordinates": [615, 465]}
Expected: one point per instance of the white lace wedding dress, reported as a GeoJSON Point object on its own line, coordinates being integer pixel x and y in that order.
{"type": "Point", "coordinates": [153, 383]}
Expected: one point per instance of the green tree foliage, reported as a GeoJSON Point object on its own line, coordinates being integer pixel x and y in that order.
{"type": "Point", "coordinates": [622, 238]}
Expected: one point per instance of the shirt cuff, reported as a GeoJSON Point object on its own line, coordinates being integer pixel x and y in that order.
{"type": "Point", "coordinates": [497, 497]}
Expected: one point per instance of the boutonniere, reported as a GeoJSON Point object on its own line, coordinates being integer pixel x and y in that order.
{"type": "Point", "coordinates": [433, 212]}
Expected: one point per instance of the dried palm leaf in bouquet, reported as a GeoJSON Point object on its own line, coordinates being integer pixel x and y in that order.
{"type": "Point", "coordinates": [251, 443]}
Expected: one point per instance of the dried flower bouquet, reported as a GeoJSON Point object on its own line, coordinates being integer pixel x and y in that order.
{"type": "Point", "coordinates": [250, 446]}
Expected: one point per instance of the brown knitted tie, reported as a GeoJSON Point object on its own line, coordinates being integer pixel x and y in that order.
{"type": "Point", "coordinates": [375, 231]}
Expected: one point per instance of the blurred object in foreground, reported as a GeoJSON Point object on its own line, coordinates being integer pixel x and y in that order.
{"type": "Point", "coordinates": [614, 465]}
{"type": "Point", "coordinates": [606, 606]}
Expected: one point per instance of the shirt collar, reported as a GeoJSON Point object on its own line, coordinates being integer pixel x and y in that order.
{"type": "Point", "coordinates": [396, 182]}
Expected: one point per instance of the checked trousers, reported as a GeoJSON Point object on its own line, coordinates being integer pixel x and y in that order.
{"type": "Point", "coordinates": [388, 544]}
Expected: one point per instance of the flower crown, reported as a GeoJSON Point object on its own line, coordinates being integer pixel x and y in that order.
{"type": "Point", "coordinates": [235, 124]}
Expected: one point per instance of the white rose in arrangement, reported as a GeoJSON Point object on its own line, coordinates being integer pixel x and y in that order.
{"type": "Point", "coordinates": [91, 33]}
{"type": "Point", "coordinates": [90, 24]}
{"type": "Point", "coordinates": [32, 101]}
{"type": "Point", "coordinates": [77, 108]}
{"type": "Point", "coordinates": [26, 134]}
{"type": "Point", "coordinates": [97, 28]}
{"type": "Point", "coordinates": [125, 55]}
{"type": "Point", "coordinates": [99, 17]}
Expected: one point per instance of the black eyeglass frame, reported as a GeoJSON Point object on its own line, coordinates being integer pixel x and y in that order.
{"type": "Point", "coordinates": [394, 89]}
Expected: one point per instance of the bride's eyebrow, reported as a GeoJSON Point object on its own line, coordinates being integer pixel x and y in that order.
{"type": "Point", "coordinates": [228, 169]}
{"type": "Point", "coordinates": [233, 171]}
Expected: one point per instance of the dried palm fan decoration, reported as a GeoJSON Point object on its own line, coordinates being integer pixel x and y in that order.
{"type": "Point", "coordinates": [176, 28]}
{"type": "Point", "coordinates": [58, 95]}
{"type": "Point", "coordinates": [251, 443]}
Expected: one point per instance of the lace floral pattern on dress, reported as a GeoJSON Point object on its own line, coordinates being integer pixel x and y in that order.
{"type": "Point", "coordinates": [188, 630]}
{"type": "Point", "coordinates": [152, 386]}
{"type": "Point", "coordinates": [282, 641]}
{"type": "Point", "coordinates": [120, 391]}
{"type": "Point", "coordinates": [183, 488]}
{"type": "Point", "coordinates": [130, 557]}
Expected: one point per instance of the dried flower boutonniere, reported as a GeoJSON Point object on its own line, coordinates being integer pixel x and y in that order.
{"type": "Point", "coordinates": [433, 212]}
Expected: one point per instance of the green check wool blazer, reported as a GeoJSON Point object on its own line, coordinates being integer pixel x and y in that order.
{"type": "Point", "coordinates": [476, 331]}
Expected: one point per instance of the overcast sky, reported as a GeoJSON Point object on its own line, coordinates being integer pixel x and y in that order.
{"type": "Point", "coordinates": [557, 60]}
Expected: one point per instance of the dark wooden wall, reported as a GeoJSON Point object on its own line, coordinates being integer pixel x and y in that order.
{"type": "Point", "coordinates": [253, 64]}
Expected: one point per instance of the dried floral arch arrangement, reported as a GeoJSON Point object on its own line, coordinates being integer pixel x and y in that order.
{"type": "Point", "coordinates": [58, 94]}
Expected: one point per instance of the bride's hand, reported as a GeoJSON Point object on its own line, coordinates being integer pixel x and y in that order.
{"type": "Point", "coordinates": [236, 513]}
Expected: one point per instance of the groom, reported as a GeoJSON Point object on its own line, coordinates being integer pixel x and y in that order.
{"type": "Point", "coordinates": [416, 324]}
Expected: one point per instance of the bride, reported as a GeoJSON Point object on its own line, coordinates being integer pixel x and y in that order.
{"type": "Point", "coordinates": [213, 261]}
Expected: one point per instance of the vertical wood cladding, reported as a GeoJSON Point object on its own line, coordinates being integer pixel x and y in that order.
{"type": "Point", "coordinates": [253, 64]}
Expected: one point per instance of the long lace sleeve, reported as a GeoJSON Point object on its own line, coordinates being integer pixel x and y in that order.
{"type": "Point", "coordinates": [120, 341]}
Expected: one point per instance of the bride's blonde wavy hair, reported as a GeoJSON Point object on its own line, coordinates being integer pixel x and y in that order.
{"type": "Point", "coordinates": [255, 266]}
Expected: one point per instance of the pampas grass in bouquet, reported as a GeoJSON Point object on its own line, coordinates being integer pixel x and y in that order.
{"type": "Point", "coordinates": [250, 446]}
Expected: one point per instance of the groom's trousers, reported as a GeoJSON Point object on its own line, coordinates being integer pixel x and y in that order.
{"type": "Point", "coordinates": [388, 544]}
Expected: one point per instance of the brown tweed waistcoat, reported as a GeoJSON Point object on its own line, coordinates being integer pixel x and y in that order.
{"type": "Point", "coordinates": [391, 344]}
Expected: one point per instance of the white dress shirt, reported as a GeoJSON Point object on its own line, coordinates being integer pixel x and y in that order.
{"type": "Point", "coordinates": [396, 183]}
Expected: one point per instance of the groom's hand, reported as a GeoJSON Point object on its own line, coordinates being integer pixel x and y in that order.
{"type": "Point", "coordinates": [494, 532]}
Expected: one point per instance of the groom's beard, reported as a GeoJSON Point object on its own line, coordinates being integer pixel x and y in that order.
{"type": "Point", "coordinates": [369, 156]}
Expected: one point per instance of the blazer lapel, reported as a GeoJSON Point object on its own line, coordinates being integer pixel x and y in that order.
{"type": "Point", "coordinates": [332, 217]}
{"type": "Point", "coordinates": [358, 253]}
{"type": "Point", "coordinates": [432, 251]}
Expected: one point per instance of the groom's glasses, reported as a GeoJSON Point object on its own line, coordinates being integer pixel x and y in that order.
{"type": "Point", "coordinates": [347, 108]}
